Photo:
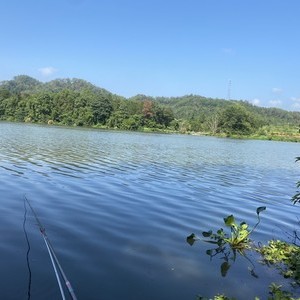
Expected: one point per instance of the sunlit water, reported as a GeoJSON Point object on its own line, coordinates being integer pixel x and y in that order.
{"type": "Point", "coordinates": [118, 207]}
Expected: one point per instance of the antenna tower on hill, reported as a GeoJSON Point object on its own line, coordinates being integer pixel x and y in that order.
{"type": "Point", "coordinates": [229, 90]}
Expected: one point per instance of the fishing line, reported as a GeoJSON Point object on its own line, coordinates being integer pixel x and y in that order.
{"type": "Point", "coordinates": [27, 253]}
{"type": "Point", "coordinates": [53, 257]}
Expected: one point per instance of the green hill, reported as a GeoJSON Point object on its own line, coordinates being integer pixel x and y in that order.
{"type": "Point", "coordinates": [80, 103]}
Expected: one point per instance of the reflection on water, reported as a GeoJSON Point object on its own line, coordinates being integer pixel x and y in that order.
{"type": "Point", "coordinates": [118, 206]}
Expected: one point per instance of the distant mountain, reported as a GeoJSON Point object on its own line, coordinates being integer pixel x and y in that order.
{"type": "Point", "coordinates": [193, 108]}
{"type": "Point", "coordinates": [198, 107]}
{"type": "Point", "coordinates": [27, 84]}
{"type": "Point", "coordinates": [21, 84]}
{"type": "Point", "coordinates": [73, 84]}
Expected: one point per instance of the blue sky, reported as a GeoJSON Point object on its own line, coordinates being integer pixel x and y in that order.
{"type": "Point", "coordinates": [159, 47]}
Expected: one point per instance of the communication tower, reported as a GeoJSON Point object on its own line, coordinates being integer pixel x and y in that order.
{"type": "Point", "coordinates": [229, 90]}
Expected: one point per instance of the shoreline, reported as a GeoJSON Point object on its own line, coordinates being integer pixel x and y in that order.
{"type": "Point", "coordinates": [273, 136]}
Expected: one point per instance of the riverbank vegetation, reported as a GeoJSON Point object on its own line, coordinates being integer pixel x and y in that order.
{"type": "Point", "coordinates": [75, 102]}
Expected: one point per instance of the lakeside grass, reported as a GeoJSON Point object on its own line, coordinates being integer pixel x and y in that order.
{"type": "Point", "coordinates": [283, 133]}
{"type": "Point", "coordinates": [286, 133]}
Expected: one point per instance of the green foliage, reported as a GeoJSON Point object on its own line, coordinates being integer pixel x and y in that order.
{"type": "Point", "coordinates": [132, 123]}
{"type": "Point", "coordinates": [80, 103]}
{"type": "Point", "coordinates": [21, 84]}
{"type": "Point", "coordinates": [101, 109]}
{"type": "Point", "coordinates": [229, 244]}
{"type": "Point", "coordinates": [235, 119]}
{"type": "Point", "coordinates": [217, 297]}
{"type": "Point", "coordinates": [277, 293]}
{"type": "Point", "coordinates": [76, 102]}
{"type": "Point", "coordinates": [238, 238]}
{"type": "Point", "coordinates": [296, 197]}
{"type": "Point", "coordinates": [277, 251]}
{"type": "Point", "coordinates": [163, 115]}
{"type": "Point", "coordinates": [285, 256]}
{"type": "Point", "coordinates": [117, 119]}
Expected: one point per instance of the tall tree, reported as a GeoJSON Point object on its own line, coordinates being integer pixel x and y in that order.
{"type": "Point", "coordinates": [235, 119]}
{"type": "Point", "coordinates": [101, 108]}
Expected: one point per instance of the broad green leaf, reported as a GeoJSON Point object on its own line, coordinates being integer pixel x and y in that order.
{"type": "Point", "coordinates": [220, 232]}
{"type": "Point", "coordinates": [230, 221]}
{"type": "Point", "coordinates": [244, 226]}
{"type": "Point", "coordinates": [260, 209]}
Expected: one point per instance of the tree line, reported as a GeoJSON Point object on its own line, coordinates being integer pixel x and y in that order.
{"type": "Point", "coordinates": [76, 102]}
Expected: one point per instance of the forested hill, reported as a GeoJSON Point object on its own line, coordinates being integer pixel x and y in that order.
{"type": "Point", "coordinates": [194, 107]}
{"type": "Point", "coordinates": [29, 85]}
{"type": "Point", "coordinates": [78, 102]}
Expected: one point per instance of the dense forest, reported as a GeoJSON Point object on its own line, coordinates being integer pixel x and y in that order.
{"type": "Point", "coordinates": [76, 102]}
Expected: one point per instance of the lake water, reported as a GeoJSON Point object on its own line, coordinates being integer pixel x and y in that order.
{"type": "Point", "coordinates": [118, 206]}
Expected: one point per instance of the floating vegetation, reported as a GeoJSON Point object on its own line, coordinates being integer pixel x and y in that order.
{"type": "Point", "coordinates": [284, 256]}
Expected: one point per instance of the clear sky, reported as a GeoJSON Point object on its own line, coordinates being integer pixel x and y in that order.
{"type": "Point", "coordinates": [159, 47]}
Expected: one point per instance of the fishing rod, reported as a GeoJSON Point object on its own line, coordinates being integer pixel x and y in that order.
{"type": "Point", "coordinates": [53, 258]}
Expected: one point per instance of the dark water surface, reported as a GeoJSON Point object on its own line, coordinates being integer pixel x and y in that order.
{"type": "Point", "coordinates": [118, 206]}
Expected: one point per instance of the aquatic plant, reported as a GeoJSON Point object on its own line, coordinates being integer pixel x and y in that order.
{"type": "Point", "coordinates": [284, 256]}
{"type": "Point", "coordinates": [229, 244]}
{"type": "Point", "coordinates": [296, 198]}
{"type": "Point", "coordinates": [237, 239]}
{"type": "Point", "coordinates": [277, 293]}
{"type": "Point", "coordinates": [216, 297]}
